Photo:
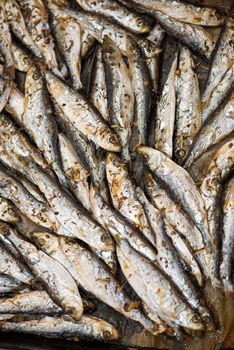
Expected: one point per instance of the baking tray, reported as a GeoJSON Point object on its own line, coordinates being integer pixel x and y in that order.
{"type": "Point", "coordinates": [134, 337]}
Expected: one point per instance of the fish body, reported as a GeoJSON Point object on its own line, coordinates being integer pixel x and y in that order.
{"type": "Point", "coordinates": [165, 116]}
{"type": "Point", "coordinates": [7, 212]}
{"type": "Point", "coordinates": [15, 104]}
{"type": "Point", "coordinates": [82, 115]}
{"type": "Point", "coordinates": [65, 30]}
{"type": "Point", "coordinates": [58, 282]}
{"type": "Point", "coordinates": [124, 196]}
{"type": "Point", "coordinates": [39, 122]}
{"type": "Point", "coordinates": [117, 12]}
{"type": "Point", "coordinates": [23, 62]}
{"type": "Point", "coordinates": [188, 105]}
{"type": "Point", "coordinates": [223, 60]}
{"type": "Point", "coordinates": [74, 170]}
{"type": "Point", "coordinates": [120, 95]}
{"type": "Point", "coordinates": [153, 288]}
{"type": "Point", "coordinates": [17, 25]}
{"type": "Point", "coordinates": [216, 128]}
{"type": "Point", "coordinates": [184, 12]}
{"type": "Point", "coordinates": [36, 20]}
{"type": "Point", "coordinates": [56, 327]}
{"type": "Point", "coordinates": [226, 270]}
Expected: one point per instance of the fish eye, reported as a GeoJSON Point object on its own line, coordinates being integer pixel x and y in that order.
{"type": "Point", "coordinates": [106, 334]}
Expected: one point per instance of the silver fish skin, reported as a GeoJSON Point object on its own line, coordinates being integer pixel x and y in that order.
{"type": "Point", "coordinates": [88, 271]}
{"type": "Point", "coordinates": [32, 302]}
{"type": "Point", "coordinates": [218, 95]}
{"type": "Point", "coordinates": [142, 86]}
{"type": "Point", "coordinates": [152, 50]}
{"type": "Point", "coordinates": [184, 12]}
{"type": "Point", "coordinates": [74, 170]}
{"type": "Point", "coordinates": [23, 62]}
{"type": "Point", "coordinates": [39, 122]}
{"type": "Point", "coordinates": [87, 43]}
{"type": "Point", "coordinates": [10, 265]}
{"type": "Point", "coordinates": [7, 212]}
{"type": "Point", "coordinates": [55, 327]}
{"type": "Point", "coordinates": [15, 104]}
{"type": "Point", "coordinates": [17, 25]}
{"type": "Point", "coordinates": [65, 31]}
{"type": "Point", "coordinates": [169, 260]}
{"type": "Point", "coordinates": [151, 285]}
{"type": "Point", "coordinates": [98, 94]}
{"type": "Point", "coordinates": [173, 213]}
{"type": "Point", "coordinates": [70, 215]}
{"type": "Point", "coordinates": [165, 115]}
{"type": "Point", "coordinates": [16, 150]}
{"type": "Point", "coordinates": [36, 20]}
{"type": "Point", "coordinates": [118, 13]}
{"type": "Point", "coordinates": [211, 187]}
{"type": "Point", "coordinates": [58, 282]}
{"type": "Point", "coordinates": [100, 281]}
{"type": "Point", "coordinates": [6, 45]}
{"type": "Point", "coordinates": [196, 37]}
{"type": "Point", "coordinates": [154, 216]}
{"type": "Point", "coordinates": [82, 115]}
{"type": "Point", "coordinates": [32, 188]}
{"type": "Point", "coordinates": [222, 59]}
{"type": "Point", "coordinates": [117, 226]}
{"type": "Point", "coordinates": [216, 128]}
{"type": "Point", "coordinates": [181, 185]}
{"type": "Point", "coordinates": [10, 285]}
{"type": "Point", "coordinates": [124, 197]}
{"type": "Point", "coordinates": [35, 210]}
{"type": "Point", "coordinates": [120, 95]}
{"type": "Point", "coordinates": [227, 251]}
{"type": "Point", "coordinates": [188, 105]}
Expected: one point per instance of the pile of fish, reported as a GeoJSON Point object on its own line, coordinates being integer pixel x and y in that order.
{"type": "Point", "coordinates": [116, 187]}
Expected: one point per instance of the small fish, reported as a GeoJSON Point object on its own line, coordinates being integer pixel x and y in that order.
{"type": "Point", "coordinates": [151, 285]}
{"type": "Point", "coordinates": [227, 253]}
{"type": "Point", "coordinates": [67, 32]}
{"type": "Point", "coordinates": [11, 266]}
{"type": "Point", "coordinates": [181, 185]}
{"type": "Point", "coordinates": [216, 128]}
{"type": "Point", "coordinates": [69, 214]}
{"type": "Point", "coordinates": [218, 95]}
{"type": "Point", "coordinates": [124, 196]}
{"type": "Point", "coordinates": [188, 105]}
{"type": "Point", "coordinates": [39, 122]}
{"type": "Point", "coordinates": [23, 62]}
{"type": "Point", "coordinates": [98, 94]}
{"type": "Point", "coordinates": [32, 302]}
{"type": "Point", "coordinates": [211, 188]}
{"type": "Point", "coordinates": [15, 104]}
{"type": "Point", "coordinates": [117, 12]}
{"type": "Point", "coordinates": [16, 150]}
{"type": "Point", "coordinates": [7, 212]}
{"type": "Point", "coordinates": [87, 43]}
{"type": "Point", "coordinates": [82, 115]}
{"type": "Point", "coordinates": [6, 45]}
{"type": "Point", "coordinates": [120, 95]}
{"type": "Point", "coordinates": [32, 188]}
{"type": "Point", "coordinates": [55, 327]}
{"type": "Point", "coordinates": [94, 276]}
{"type": "Point", "coordinates": [173, 212]}
{"type": "Point", "coordinates": [154, 217]}
{"type": "Point", "coordinates": [35, 210]}
{"type": "Point", "coordinates": [58, 282]}
{"type": "Point", "coordinates": [165, 116]}
{"type": "Point", "coordinates": [196, 37]}
{"type": "Point", "coordinates": [118, 227]}
{"type": "Point", "coordinates": [74, 170]}
{"type": "Point", "coordinates": [36, 20]}
{"type": "Point", "coordinates": [222, 61]}
{"type": "Point", "coordinates": [184, 12]}
{"type": "Point", "coordinates": [17, 26]}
